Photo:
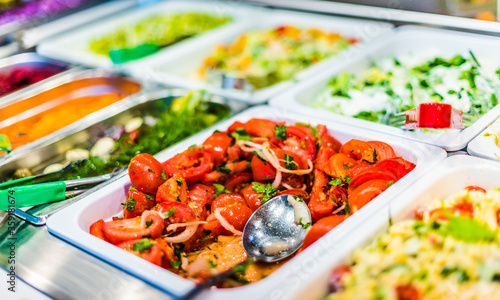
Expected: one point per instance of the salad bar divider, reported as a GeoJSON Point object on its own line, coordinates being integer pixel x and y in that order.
{"type": "Point", "coordinates": [177, 79]}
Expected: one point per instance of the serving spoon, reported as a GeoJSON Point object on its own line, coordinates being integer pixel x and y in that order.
{"type": "Point", "coordinates": [275, 231]}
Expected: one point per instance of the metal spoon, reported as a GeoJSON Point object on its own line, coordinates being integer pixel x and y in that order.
{"type": "Point", "coordinates": [274, 232]}
{"type": "Point", "coordinates": [277, 229]}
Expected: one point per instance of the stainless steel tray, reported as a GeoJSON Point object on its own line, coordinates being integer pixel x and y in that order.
{"type": "Point", "coordinates": [51, 87]}
{"type": "Point", "coordinates": [31, 59]}
{"type": "Point", "coordinates": [53, 151]}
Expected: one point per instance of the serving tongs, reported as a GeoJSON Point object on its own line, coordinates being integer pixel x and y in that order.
{"type": "Point", "coordinates": [41, 189]}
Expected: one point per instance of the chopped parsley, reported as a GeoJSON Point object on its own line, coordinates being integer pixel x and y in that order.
{"type": "Point", "coordinates": [223, 168]}
{"type": "Point", "coordinates": [129, 204]}
{"type": "Point", "coordinates": [347, 208]}
{"type": "Point", "coordinates": [267, 189]}
{"type": "Point", "coordinates": [132, 189]}
{"type": "Point", "coordinates": [206, 232]}
{"type": "Point", "coordinates": [169, 213]}
{"type": "Point", "coordinates": [163, 176]}
{"type": "Point", "coordinates": [375, 157]}
{"type": "Point", "coordinates": [149, 223]}
{"type": "Point", "coordinates": [175, 264]}
{"type": "Point", "coordinates": [289, 163]}
{"type": "Point", "coordinates": [298, 198]}
{"type": "Point", "coordinates": [335, 182]}
{"type": "Point", "coordinates": [179, 181]}
{"type": "Point", "coordinates": [206, 238]}
{"type": "Point", "coordinates": [241, 134]}
{"type": "Point", "coordinates": [346, 167]}
{"type": "Point", "coordinates": [192, 147]}
{"type": "Point", "coordinates": [211, 264]}
{"type": "Point", "coordinates": [390, 183]}
{"type": "Point", "coordinates": [143, 245]}
{"type": "Point", "coordinates": [180, 249]}
{"type": "Point", "coordinates": [280, 132]}
{"type": "Point", "coordinates": [347, 179]}
{"type": "Point", "coordinates": [220, 189]}
{"type": "Point", "coordinates": [149, 197]}
{"type": "Point", "coordinates": [305, 226]}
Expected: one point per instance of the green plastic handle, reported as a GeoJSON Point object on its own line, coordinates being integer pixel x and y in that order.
{"type": "Point", "coordinates": [17, 182]}
{"type": "Point", "coordinates": [127, 54]}
{"type": "Point", "coordinates": [29, 195]}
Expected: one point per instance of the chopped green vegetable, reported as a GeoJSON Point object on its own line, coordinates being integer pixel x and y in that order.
{"type": "Point", "coordinates": [169, 213]}
{"type": "Point", "coordinates": [143, 245]}
{"type": "Point", "coordinates": [289, 163]}
{"type": "Point", "coordinates": [280, 132]}
{"type": "Point", "coordinates": [223, 168]}
{"type": "Point", "coordinates": [211, 264]}
{"type": "Point", "coordinates": [220, 189]}
{"type": "Point", "coordinates": [267, 189]}
{"type": "Point", "coordinates": [335, 182]}
{"type": "Point", "coordinates": [129, 204]}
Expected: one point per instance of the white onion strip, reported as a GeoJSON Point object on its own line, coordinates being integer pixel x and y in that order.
{"type": "Point", "coordinates": [271, 157]}
{"type": "Point", "coordinates": [183, 236]}
{"type": "Point", "coordinates": [225, 223]}
{"type": "Point", "coordinates": [277, 179]}
{"type": "Point", "coordinates": [338, 209]}
{"type": "Point", "coordinates": [174, 226]}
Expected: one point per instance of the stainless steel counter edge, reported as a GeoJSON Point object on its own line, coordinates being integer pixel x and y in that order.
{"type": "Point", "coordinates": [384, 14]}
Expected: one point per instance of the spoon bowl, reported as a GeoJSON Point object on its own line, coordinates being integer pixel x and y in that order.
{"type": "Point", "coordinates": [277, 229]}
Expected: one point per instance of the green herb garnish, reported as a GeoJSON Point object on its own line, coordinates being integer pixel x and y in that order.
{"type": "Point", "coordinates": [267, 189]}
{"type": "Point", "coordinates": [289, 163]}
{"type": "Point", "coordinates": [335, 182]}
{"type": "Point", "coordinates": [130, 204]}
{"type": "Point", "coordinates": [280, 132]}
{"type": "Point", "coordinates": [169, 213]}
{"type": "Point", "coordinates": [143, 245]}
{"type": "Point", "coordinates": [220, 189]}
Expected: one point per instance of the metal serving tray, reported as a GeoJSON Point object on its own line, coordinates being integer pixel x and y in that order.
{"type": "Point", "coordinates": [31, 59]}
{"type": "Point", "coordinates": [71, 224]}
{"type": "Point", "coordinates": [86, 135]}
{"type": "Point", "coordinates": [178, 68]}
{"type": "Point", "coordinates": [447, 178]}
{"type": "Point", "coordinates": [73, 46]}
{"type": "Point", "coordinates": [126, 87]}
{"type": "Point", "coordinates": [407, 39]}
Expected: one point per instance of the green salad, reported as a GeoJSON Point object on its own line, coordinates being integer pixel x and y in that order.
{"type": "Point", "coordinates": [396, 84]}
{"type": "Point", "coordinates": [157, 30]}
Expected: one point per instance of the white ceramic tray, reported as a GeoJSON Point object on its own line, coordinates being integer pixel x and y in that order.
{"type": "Point", "coordinates": [484, 146]}
{"type": "Point", "coordinates": [73, 46]}
{"type": "Point", "coordinates": [447, 178]}
{"type": "Point", "coordinates": [72, 223]}
{"type": "Point", "coordinates": [179, 68]}
{"type": "Point", "coordinates": [406, 40]}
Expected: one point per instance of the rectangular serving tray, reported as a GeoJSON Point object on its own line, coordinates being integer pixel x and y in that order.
{"type": "Point", "coordinates": [178, 68]}
{"type": "Point", "coordinates": [405, 40]}
{"type": "Point", "coordinates": [483, 145]}
{"type": "Point", "coordinates": [447, 178]}
{"type": "Point", "coordinates": [73, 46]}
{"type": "Point", "coordinates": [72, 223]}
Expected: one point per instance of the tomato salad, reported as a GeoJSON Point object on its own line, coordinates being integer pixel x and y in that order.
{"type": "Point", "coordinates": [187, 214]}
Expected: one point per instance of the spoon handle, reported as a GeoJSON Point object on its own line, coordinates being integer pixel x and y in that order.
{"type": "Point", "coordinates": [211, 281]}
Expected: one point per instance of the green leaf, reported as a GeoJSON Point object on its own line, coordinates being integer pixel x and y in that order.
{"type": "Point", "coordinates": [220, 189]}
{"type": "Point", "coordinates": [280, 132]}
{"type": "Point", "coordinates": [348, 179]}
{"type": "Point", "coordinates": [211, 264]}
{"type": "Point", "coordinates": [241, 134]}
{"type": "Point", "coordinates": [223, 168]}
{"type": "Point", "coordinates": [130, 204]}
{"type": "Point", "coordinates": [305, 226]}
{"type": "Point", "coordinates": [289, 163]}
{"type": "Point", "coordinates": [175, 264]}
{"type": "Point", "coordinates": [179, 181]}
{"type": "Point", "coordinates": [267, 189]}
{"type": "Point", "coordinates": [390, 183]}
{"type": "Point", "coordinates": [143, 245]}
{"type": "Point", "coordinates": [335, 182]}
{"type": "Point", "coordinates": [169, 213]}
{"type": "Point", "coordinates": [163, 176]}
{"type": "Point", "coordinates": [468, 230]}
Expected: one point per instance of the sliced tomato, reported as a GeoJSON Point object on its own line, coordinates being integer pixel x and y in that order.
{"type": "Point", "coordinates": [296, 159]}
{"type": "Point", "coordinates": [129, 229]}
{"type": "Point", "coordinates": [356, 149]}
{"type": "Point", "coordinates": [237, 216]}
{"type": "Point", "coordinates": [398, 166]}
{"type": "Point", "coordinates": [175, 212]}
{"type": "Point", "coordinates": [201, 193]}
{"type": "Point", "coordinates": [358, 168]}
{"type": "Point", "coordinates": [205, 234]}
{"type": "Point", "coordinates": [299, 142]}
{"type": "Point", "coordinates": [293, 181]}
{"type": "Point", "coordinates": [338, 194]}
{"type": "Point", "coordinates": [320, 228]}
{"type": "Point", "coordinates": [303, 194]}
{"type": "Point", "coordinates": [235, 126]}
{"type": "Point", "coordinates": [236, 182]}
{"type": "Point", "coordinates": [226, 200]}
{"type": "Point", "coordinates": [137, 202]}
{"type": "Point", "coordinates": [191, 164]}
{"type": "Point", "coordinates": [383, 150]}
{"type": "Point", "coordinates": [473, 188]}
{"type": "Point", "coordinates": [168, 255]}
{"type": "Point", "coordinates": [368, 174]}
{"type": "Point", "coordinates": [320, 204]}
{"type": "Point", "coordinates": [260, 127]}
{"type": "Point", "coordinates": [233, 153]}
{"type": "Point", "coordinates": [252, 198]}
{"type": "Point", "coordinates": [96, 229]}
{"type": "Point", "coordinates": [217, 144]}
{"type": "Point", "coordinates": [153, 254]}
{"type": "Point", "coordinates": [261, 169]}
{"type": "Point", "coordinates": [173, 190]}
{"type": "Point", "coordinates": [146, 173]}
{"type": "Point", "coordinates": [365, 193]}
{"type": "Point", "coordinates": [329, 146]}
{"type": "Point", "coordinates": [339, 165]}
